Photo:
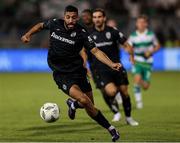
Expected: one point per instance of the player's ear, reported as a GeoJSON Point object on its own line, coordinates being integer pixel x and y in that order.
{"type": "Point", "coordinates": [105, 19]}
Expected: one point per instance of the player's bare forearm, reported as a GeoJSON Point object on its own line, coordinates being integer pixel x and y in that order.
{"type": "Point", "coordinates": [101, 56]}
{"type": "Point", "coordinates": [130, 50]}
{"type": "Point", "coordinates": [36, 28]}
{"type": "Point", "coordinates": [155, 49]}
{"type": "Point", "coordinates": [27, 36]}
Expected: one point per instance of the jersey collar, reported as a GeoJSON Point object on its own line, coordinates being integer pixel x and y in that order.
{"type": "Point", "coordinates": [145, 32]}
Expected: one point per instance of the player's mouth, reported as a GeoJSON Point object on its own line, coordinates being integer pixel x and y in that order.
{"type": "Point", "coordinates": [70, 26]}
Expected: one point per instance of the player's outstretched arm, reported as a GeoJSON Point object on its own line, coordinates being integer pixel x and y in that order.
{"type": "Point", "coordinates": [130, 50]}
{"type": "Point", "coordinates": [101, 56]}
{"type": "Point", "coordinates": [27, 36]}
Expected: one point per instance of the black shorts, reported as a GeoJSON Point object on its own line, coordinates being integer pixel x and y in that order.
{"type": "Point", "coordinates": [117, 77]}
{"type": "Point", "coordinates": [95, 76]}
{"type": "Point", "coordinates": [65, 82]}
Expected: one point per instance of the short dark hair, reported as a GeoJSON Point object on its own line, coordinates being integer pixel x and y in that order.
{"type": "Point", "coordinates": [87, 11]}
{"type": "Point", "coordinates": [100, 10]}
{"type": "Point", "coordinates": [71, 8]}
{"type": "Point", "coordinates": [143, 16]}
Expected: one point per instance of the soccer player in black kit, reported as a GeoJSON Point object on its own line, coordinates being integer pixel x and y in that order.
{"type": "Point", "coordinates": [67, 38]}
{"type": "Point", "coordinates": [108, 39]}
{"type": "Point", "coordinates": [86, 17]}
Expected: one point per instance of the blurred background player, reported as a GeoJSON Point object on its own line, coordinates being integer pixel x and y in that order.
{"type": "Point", "coordinates": [145, 44]}
{"type": "Point", "coordinates": [108, 39]}
{"type": "Point", "coordinates": [86, 17]}
{"type": "Point", "coordinates": [113, 23]}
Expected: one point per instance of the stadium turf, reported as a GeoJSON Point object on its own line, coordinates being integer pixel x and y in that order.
{"type": "Point", "coordinates": [21, 96]}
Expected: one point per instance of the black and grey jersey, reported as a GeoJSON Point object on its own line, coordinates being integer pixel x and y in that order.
{"type": "Point", "coordinates": [108, 41]}
{"type": "Point", "coordinates": [65, 45]}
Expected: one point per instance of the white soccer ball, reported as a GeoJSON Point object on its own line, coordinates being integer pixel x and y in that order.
{"type": "Point", "coordinates": [50, 112]}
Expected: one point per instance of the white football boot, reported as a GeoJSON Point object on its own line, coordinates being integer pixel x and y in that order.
{"type": "Point", "coordinates": [130, 121]}
{"type": "Point", "coordinates": [117, 117]}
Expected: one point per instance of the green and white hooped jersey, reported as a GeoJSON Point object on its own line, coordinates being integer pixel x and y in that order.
{"type": "Point", "coordinates": [141, 43]}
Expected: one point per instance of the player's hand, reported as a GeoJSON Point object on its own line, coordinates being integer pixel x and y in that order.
{"type": "Point", "coordinates": [131, 59]}
{"type": "Point", "coordinates": [25, 38]}
{"type": "Point", "coordinates": [116, 66]}
{"type": "Point", "coordinates": [148, 54]}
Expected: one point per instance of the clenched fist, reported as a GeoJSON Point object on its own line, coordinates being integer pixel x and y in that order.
{"type": "Point", "coordinates": [25, 38]}
{"type": "Point", "coordinates": [116, 66]}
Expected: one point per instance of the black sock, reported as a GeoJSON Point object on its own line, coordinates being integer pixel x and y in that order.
{"type": "Point", "coordinates": [127, 105]}
{"type": "Point", "coordinates": [76, 105]}
{"type": "Point", "coordinates": [111, 102]}
{"type": "Point", "coordinates": [101, 120]}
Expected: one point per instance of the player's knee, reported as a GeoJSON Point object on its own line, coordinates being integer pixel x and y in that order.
{"type": "Point", "coordinates": [146, 86]}
{"type": "Point", "coordinates": [124, 93]}
{"type": "Point", "coordinates": [111, 92]}
{"type": "Point", "coordinates": [137, 79]}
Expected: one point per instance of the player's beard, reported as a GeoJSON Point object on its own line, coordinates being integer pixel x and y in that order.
{"type": "Point", "coordinates": [69, 26]}
{"type": "Point", "coordinates": [99, 25]}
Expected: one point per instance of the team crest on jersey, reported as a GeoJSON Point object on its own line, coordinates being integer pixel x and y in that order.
{"type": "Point", "coordinates": [73, 34]}
{"type": "Point", "coordinates": [94, 37]}
{"type": "Point", "coordinates": [90, 39]}
{"type": "Point", "coordinates": [120, 34]}
{"type": "Point", "coordinates": [108, 35]}
{"type": "Point", "coordinates": [83, 30]}
{"type": "Point", "coordinates": [64, 87]}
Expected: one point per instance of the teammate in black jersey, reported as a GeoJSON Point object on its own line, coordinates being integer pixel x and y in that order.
{"type": "Point", "coordinates": [67, 39]}
{"type": "Point", "coordinates": [108, 39]}
{"type": "Point", "coordinates": [86, 17]}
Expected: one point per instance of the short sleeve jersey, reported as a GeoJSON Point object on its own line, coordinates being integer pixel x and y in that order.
{"type": "Point", "coordinates": [108, 41]}
{"type": "Point", "coordinates": [141, 43]}
{"type": "Point", "coordinates": [65, 45]}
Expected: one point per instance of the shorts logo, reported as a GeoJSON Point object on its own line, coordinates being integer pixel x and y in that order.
{"type": "Point", "coordinates": [108, 35]}
{"type": "Point", "coordinates": [94, 37]}
{"type": "Point", "coordinates": [64, 87]}
{"type": "Point", "coordinates": [73, 34]}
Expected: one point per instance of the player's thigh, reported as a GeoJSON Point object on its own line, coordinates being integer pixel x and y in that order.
{"type": "Point", "coordinates": [137, 73]}
{"type": "Point", "coordinates": [76, 93]}
{"type": "Point", "coordinates": [147, 74]}
{"type": "Point", "coordinates": [110, 89]}
{"type": "Point", "coordinates": [63, 82]}
{"type": "Point", "coordinates": [147, 78]}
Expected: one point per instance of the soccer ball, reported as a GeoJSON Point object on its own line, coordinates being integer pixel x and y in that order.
{"type": "Point", "coordinates": [49, 112]}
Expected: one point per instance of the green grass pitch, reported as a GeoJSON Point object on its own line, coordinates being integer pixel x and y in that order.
{"type": "Point", "coordinates": [22, 95]}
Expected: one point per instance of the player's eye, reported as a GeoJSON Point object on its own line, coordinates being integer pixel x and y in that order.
{"type": "Point", "coordinates": [67, 17]}
{"type": "Point", "coordinates": [74, 17]}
